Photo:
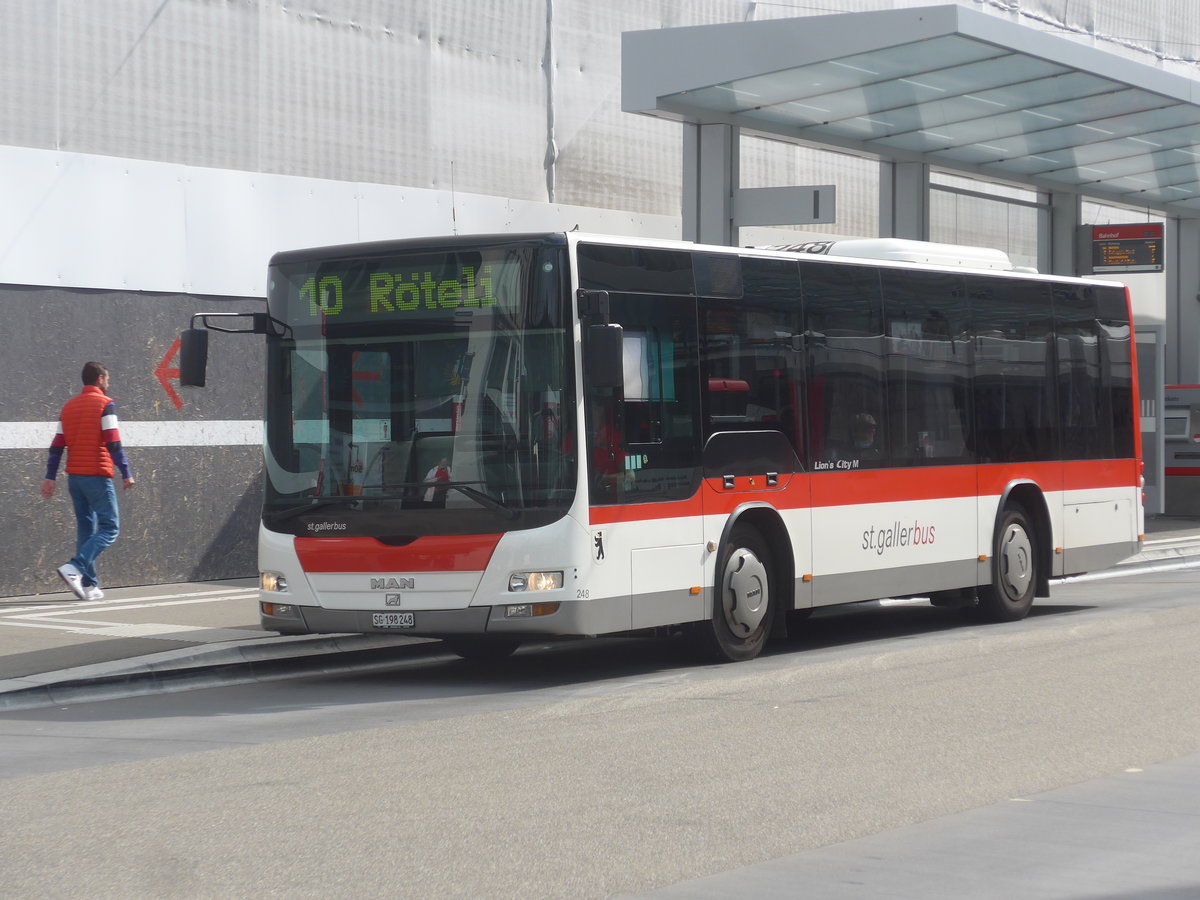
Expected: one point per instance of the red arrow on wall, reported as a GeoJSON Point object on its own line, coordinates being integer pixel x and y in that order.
{"type": "Point", "coordinates": [163, 373]}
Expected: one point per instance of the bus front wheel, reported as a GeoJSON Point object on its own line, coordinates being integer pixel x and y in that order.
{"type": "Point", "coordinates": [1014, 569]}
{"type": "Point", "coordinates": [743, 599]}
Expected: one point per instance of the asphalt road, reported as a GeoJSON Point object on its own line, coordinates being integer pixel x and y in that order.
{"type": "Point", "coordinates": [618, 768]}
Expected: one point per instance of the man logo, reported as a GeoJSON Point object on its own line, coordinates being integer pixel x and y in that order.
{"type": "Point", "coordinates": [392, 584]}
{"type": "Point", "coordinates": [391, 599]}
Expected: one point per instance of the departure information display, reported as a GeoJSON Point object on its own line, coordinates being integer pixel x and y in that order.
{"type": "Point", "coordinates": [1127, 248]}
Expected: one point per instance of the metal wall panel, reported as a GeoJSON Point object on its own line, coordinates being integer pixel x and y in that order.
{"type": "Point", "coordinates": [516, 99]}
{"type": "Point", "coordinates": [151, 80]}
{"type": "Point", "coordinates": [29, 73]}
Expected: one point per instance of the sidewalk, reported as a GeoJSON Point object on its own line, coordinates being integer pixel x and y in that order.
{"type": "Point", "coordinates": [56, 649]}
{"type": "Point", "coordinates": [1168, 537]}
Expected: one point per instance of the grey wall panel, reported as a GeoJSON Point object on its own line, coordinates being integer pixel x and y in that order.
{"type": "Point", "coordinates": [50, 333]}
{"type": "Point", "coordinates": [193, 512]}
{"type": "Point", "coordinates": [192, 516]}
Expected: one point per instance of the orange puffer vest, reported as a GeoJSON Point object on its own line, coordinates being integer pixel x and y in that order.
{"type": "Point", "coordinates": [86, 450]}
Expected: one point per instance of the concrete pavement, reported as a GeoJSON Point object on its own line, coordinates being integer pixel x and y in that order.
{"type": "Point", "coordinates": [56, 649]}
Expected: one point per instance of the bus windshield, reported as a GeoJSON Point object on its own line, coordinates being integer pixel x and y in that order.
{"type": "Point", "coordinates": [419, 393]}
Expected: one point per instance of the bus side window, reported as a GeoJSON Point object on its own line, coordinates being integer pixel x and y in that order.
{"type": "Point", "coordinates": [1095, 369]}
{"type": "Point", "coordinates": [1016, 407]}
{"type": "Point", "coordinates": [644, 443]}
{"type": "Point", "coordinates": [927, 337]}
{"type": "Point", "coordinates": [750, 370]}
{"type": "Point", "coordinates": [844, 326]}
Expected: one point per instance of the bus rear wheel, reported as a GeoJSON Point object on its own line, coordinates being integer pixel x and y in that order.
{"type": "Point", "coordinates": [743, 599]}
{"type": "Point", "coordinates": [1014, 569]}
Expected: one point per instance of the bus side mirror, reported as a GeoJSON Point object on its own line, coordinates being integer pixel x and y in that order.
{"type": "Point", "coordinates": [604, 356]}
{"type": "Point", "coordinates": [193, 356]}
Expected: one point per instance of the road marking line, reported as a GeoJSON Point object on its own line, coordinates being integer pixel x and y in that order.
{"type": "Point", "coordinates": [1125, 572]}
{"type": "Point", "coordinates": [123, 606]}
{"type": "Point", "coordinates": [190, 634]}
{"type": "Point", "coordinates": [132, 602]}
{"type": "Point", "coordinates": [70, 628]}
{"type": "Point", "coordinates": [63, 616]}
{"type": "Point", "coordinates": [1183, 539]}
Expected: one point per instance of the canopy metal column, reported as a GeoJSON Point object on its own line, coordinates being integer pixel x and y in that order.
{"type": "Point", "coordinates": [710, 176]}
{"type": "Point", "coordinates": [904, 200]}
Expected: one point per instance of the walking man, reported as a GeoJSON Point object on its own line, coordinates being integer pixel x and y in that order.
{"type": "Point", "coordinates": [87, 429]}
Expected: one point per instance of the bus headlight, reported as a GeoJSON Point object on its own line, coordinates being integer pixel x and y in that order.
{"type": "Point", "coordinates": [272, 581]}
{"type": "Point", "coordinates": [535, 581]}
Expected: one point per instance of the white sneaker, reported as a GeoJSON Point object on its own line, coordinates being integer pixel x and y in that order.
{"type": "Point", "coordinates": [74, 579]}
{"type": "Point", "coordinates": [93, 592]}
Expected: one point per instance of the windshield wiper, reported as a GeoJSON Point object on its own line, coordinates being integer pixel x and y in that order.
{"type": "Point", "coordinates": [480, 497]}
{"type": "Point", "coordinates": [464, 488]}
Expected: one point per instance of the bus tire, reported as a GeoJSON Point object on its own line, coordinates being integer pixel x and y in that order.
{"type": "Point", "coordinates": [743, 599]}
{"type": "Point", "coordinates": [477, 649]}
{"type": "Point", "coordinates": [1014, 569]}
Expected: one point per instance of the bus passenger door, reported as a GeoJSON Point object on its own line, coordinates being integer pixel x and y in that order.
{"type": "Point", "coordinates": [642, 465]}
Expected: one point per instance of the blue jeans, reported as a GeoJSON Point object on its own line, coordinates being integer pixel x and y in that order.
{"type": "Point", "coordinates": [97, 521]}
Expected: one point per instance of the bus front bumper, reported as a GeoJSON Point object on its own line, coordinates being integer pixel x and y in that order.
{"type": "Point", "coordinates": [569, 619]}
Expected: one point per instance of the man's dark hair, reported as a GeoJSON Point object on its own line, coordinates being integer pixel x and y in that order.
{"type": "Point", "coordinates": [92, 372]}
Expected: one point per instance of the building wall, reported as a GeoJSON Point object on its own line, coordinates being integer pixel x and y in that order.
{"type": "Point", "coordinates": [154, 154]}
{"type": "Point", "coordinates": [518, 99]}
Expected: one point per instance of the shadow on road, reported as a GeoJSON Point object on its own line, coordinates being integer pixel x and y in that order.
{"type": "Point", "coordinates": [422, 676]}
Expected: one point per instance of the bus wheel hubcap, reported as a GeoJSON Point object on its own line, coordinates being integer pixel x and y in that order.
{"type": "Point", "coordinates": [745, 595]}
{"type": "Point", "coordinates": [1016, 562]}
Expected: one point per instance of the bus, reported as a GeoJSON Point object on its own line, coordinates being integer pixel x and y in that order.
{"type": "Point", "coordinates": [493, 439]}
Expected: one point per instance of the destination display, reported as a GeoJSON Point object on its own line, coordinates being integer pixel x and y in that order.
{"type": "Point", "coordinates": [398, 291]}
{"type": "Point", "coordinates": [1127, 248]}
{"type": "Point", "coordinates": [437, 288]}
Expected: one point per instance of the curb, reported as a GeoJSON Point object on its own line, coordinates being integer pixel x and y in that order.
{"type": "Point", "coordinates": [211, 666]}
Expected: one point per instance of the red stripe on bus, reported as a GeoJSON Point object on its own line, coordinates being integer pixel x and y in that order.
{"type": "Point", "coordinates": [822, 489]}
{"type": "Point", "coordinates": [442, 553]}
{"type": "Point", "coordinates": [1175, 471]}
{"type": "Point", "coordinates": [892, 485]}
{"type": "Point", "coordinates": [643, 512]}
{"type": "Point", "coordinates": [1100, 473]}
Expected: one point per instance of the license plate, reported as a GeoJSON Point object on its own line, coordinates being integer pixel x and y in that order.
{"type": "Point", "coordinates": [394, 620]}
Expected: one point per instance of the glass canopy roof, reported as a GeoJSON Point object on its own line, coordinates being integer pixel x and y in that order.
{"type": "Point", "coordinates": [947, 85]}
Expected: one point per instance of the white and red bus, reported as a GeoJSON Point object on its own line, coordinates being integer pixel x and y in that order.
{"type": "Point", "coordinates": [492, 439]}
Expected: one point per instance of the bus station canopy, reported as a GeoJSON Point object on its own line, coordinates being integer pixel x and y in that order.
{"type": "Point", "coordinates": [945, 85]}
